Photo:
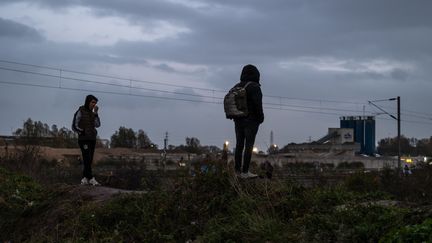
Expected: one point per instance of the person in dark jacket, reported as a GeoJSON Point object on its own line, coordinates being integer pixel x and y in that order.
{"type": "Point", "coordinates": [246, 128]}
{"type": "Point", "coordinates": [85, 122]}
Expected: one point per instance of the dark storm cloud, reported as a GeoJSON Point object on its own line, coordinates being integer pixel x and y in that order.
{"type": "Point", "coordinates": [13, 29]}
{"type": "Point", "coordinates": [275, 31]}
{"type": "Point", "coordinates": [288, 40]}
{"type": "Point", "coordinates": [73, 56]}
{"type": "Point", "coordinates": [231, 32]}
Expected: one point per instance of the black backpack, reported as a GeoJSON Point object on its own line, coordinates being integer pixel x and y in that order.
{"type": "Point", "coordinates": [235, 102]}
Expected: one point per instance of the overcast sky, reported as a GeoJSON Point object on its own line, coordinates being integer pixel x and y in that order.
{"type": "Point", "coordinates": [163, 65]}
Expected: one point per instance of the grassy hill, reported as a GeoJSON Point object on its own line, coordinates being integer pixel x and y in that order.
{"type": "Point", "coordinates": [217, 207]}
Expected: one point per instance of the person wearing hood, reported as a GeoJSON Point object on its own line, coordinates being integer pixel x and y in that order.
{"type": "Point", "coordinates": [246, 128]}
{"type": "Point", "coordinates": [85, 122]}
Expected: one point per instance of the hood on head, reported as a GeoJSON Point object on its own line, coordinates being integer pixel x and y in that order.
{"type": "Point", "coordinates": [88, 99]}
{"type": "Point", "coordinates": [250, 73]}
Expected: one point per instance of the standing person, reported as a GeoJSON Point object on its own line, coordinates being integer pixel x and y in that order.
{"type": "Point", "coordinates": [407, 170]}
{"type": "Point", "coordinates": [85, 122]}
{"type": "Point", "coordinates": [246, 128]}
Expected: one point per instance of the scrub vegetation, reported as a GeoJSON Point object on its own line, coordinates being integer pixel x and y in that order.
{"type": "Point", "coordinates": [214, 206]}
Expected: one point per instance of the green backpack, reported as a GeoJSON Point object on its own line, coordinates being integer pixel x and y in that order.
{"type": "Point", "coordinates": [235, 102]}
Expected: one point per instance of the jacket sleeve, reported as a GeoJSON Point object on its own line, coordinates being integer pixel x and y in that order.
{"type": "Point", "coordinates": [257, 102]}
{"type": "Point", "coordinates": [76, 120]}
{"type": "Point", "coordinates": [97, 121]}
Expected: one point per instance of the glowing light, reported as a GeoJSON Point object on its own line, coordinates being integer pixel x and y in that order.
{"type": "Point", "coordinates": [255, 150]}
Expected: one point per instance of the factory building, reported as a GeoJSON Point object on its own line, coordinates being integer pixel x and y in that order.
{"type": "Point", "coordinates": [364, 131]}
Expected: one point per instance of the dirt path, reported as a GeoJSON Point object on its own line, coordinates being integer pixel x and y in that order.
{"type": "Point", "coordinates": [99, 193]}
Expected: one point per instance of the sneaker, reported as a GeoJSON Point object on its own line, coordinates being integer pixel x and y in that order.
{"type": "Point", "coordinates": [238, 173]}
{"type": "Point", "coordinates": [84, 181]}
{"type": "Point", "coordinates": [93, 182]}
{"type": "Point", "coordinates": [248, 175]}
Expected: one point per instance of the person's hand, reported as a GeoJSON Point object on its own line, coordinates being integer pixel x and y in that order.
{"type": "Point", "coordinates": [95, 109]}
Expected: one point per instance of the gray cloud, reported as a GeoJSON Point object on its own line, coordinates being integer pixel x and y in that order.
{"type": "Point", "coordinates": [11, 29]}
{"type": "Point", "coordinates": [348, 36]}
{"type": "Point", "coordinates": [165, 67]}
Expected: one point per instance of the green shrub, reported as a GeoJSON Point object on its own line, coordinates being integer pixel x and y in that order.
{"type": "Point", "coordinates": [411, 233]}
{"type": "Point", "coordinates": [323, 200]}
{"type": "Point", "coordinates": [214, 206]}
{"type": "Point", "coordinates": [352, 223]}
{"type": "Point", "coordinates": [362, 182]}
{"type": "Point", "coordinates": [19, 197]}
{"type": "Point", "coordinates": [350, 165]}
{"type": "Point", "coordinates": [245, 222]}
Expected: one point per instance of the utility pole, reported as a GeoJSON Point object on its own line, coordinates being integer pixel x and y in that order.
{"type": "Point", "coordinates": [399, 131]}
{"type": "Point", "coordinates": [165, 141]}
{"type": "Point", "coordinates": [364, 128]}
{"type": "Point", "coordinates": [398, 119]}
{"type": "Point", "coordinates": [165, 149]}
{"type": "Point", "coordinates": [271, 138]}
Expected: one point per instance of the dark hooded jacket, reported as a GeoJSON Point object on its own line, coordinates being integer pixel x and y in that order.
{"type": "Point", "coordinates": [85, 121]}
{"type": "Point", "coordinates": [254, 95]}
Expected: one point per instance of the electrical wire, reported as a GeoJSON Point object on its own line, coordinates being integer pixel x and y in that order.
{"type": "Point", "coordinates": [61, 77]}
{"type": "Point", "coordinates": [108, 92]}
{"type": "Point", "coordinates": [130, 87]}
{"type": "Point", "coordinates": [172, 85]}
{"type": "Point", "coordinates": [181, 99]}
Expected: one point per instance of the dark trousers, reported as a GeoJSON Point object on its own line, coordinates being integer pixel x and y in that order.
{"type": "Point", "coordinates": [246, 131]}
{"type": "Point", "coordinates": [87, 150]}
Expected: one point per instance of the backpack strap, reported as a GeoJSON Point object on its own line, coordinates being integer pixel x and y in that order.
{"type": "Point", "coordinates": [247, 84]}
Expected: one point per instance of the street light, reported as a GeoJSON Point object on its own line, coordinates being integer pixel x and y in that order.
{"type": "Point", "coordinates": [255, 150]}
{"type": "Point", "coordinates": [398, 122]}
{"type": "Point", "coordinates": [225, 151]}
{"type": "Point", "coordinates": [273, 149]}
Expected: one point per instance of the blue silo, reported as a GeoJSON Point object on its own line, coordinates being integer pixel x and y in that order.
{"type": "Point", "coordinates": [364, 131]}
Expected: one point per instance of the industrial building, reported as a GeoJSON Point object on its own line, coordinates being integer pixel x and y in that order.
{"type": "Point", "coordinates": [364, 131]}
{"type": "Point", "coordinates": [356, 135]}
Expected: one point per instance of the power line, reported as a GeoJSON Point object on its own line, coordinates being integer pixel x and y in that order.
{"type": "Point", "coordinates": [108, 92]}
{"type": "Point", "coordinates": [61, 77]}
{"type": "Point", "coordinates": [186, 100]}
{"type": "Point", "coordinates": [103, 83]}
{"type": "Point", "coordinates": [410, 112]}
{"type": "Point", "coordinates": [314, 100]}
{"type": "Point", "coordinates": [402, 114]}
{"type": "Point", "coordinates": [109, 76]}
{"type": "Point", "coordinates": [313, 107]}
{"type": "Point", "coordinates": [268, 105]}
{"type": "Point", "coordinates": [151, 96]}
{"type": "Point", "coordinates": [172, 85]}
{"type": "Point", "coordinates": [409, 121]}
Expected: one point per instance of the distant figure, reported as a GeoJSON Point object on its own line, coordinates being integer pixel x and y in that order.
{"type": "Point", "coordinates": [267, 167]}
{"type": "Point", "coordinates": [407, 170]}
{"type": "Point", "coordinates": [246, 127]}
{"type": "Point", "coordinates": [181, 162]}
{"type": "Point", "coordinates": [6, 150]}
{"type": "Point", "coordinates": [85, 122]}
{"type": "Point", "coordinates": [224, 156]}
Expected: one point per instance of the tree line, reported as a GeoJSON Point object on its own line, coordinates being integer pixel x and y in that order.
{"type": "Point", "coordinates": [128, 138]}
{"type": "Point", "coordinates": [408, 146]}
{"type": "Point", "coordinates": [53, 136]}
{"type": "Point", "coordinates": [37, 132]}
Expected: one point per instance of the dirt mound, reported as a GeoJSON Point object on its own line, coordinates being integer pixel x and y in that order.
{"type": "Point", "coordinates": [65, 202]}
{"type": "Point", "coordinates": [97, 193]}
